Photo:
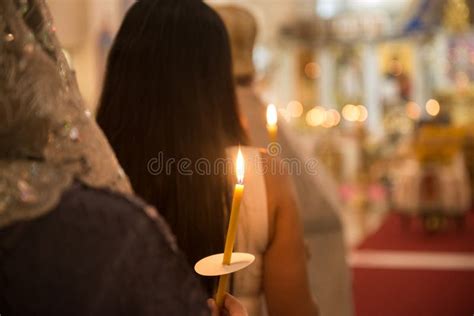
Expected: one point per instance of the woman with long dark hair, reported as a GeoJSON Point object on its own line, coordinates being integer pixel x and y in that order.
{"type": "Point", "coordinates": [73, 238]}
{"type": "Point", "coordinates": [169, 94]}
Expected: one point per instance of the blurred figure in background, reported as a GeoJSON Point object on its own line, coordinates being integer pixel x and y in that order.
{"type": "Point", "coordinates": [329, 274]}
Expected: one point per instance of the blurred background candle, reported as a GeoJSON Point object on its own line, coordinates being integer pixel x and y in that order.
{"type": "Point", "coordinates": [272, 119]}
{"type": "Point", "coordinates": [233, 222]}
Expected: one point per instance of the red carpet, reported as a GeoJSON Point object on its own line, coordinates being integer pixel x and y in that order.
{"type": "Point", "coordinates": [404, 271]}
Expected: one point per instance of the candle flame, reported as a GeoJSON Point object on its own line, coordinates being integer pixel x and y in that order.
{"type": "Point", "coordinates": [272, 116]}
{"type": "Point", "coordinates": [240, 167]}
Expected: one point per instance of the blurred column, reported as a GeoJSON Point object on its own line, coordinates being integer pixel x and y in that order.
{"type": "Point", "coordinates": [440, 56]}
{"type": "Point", "coordinates": [372, 81]}
{"type": "Point", "coordinates": [420, 93]}
{"type": "Point", "coordinates": [327, 78]}
{"type": "Point", "coordinates": [284, 79]}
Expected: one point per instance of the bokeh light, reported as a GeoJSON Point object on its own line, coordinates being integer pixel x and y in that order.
{"type": "Point", "coordinates": [413, 110]}
{"type": "Point", "coordinates": [355, 113]}
{"type": "Point", "coordinates": [432, 107]}
{"type": "Point", "coordinates": [295, 108]}
{"type": "Point", "coordinates": [350, 112]}
{"type": "Point", "coordinates": [363, 113]}
{"type": "Point", "coordinates": [272, 116]}
{"type": "Point", "coordinates": [316, 116]}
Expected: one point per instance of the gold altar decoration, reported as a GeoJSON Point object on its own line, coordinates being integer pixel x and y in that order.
{"type": "Point", "coordinates": [438, 143]}
{"type": "Point", "coordinates": [456, 16]}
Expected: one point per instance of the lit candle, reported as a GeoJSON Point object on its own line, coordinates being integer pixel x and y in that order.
{"type": "Point", "coordinates": [272, 119]}
{"type": "Point", "coordinates": [232, 230]}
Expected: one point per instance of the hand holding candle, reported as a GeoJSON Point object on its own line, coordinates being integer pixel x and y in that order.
{"type": "Point", "coordinates": [224, 264]}
{"type": "Point", "coordinates": [232, 230]}
{"type": "Point", "coordinates": [272, 119]}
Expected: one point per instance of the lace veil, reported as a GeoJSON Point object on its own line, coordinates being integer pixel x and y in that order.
{"type": "Point", "coordinates": [47, 137]}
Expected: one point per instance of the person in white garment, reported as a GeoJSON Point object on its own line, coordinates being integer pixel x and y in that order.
{"type": "Point", "coordinates": [317, 194]}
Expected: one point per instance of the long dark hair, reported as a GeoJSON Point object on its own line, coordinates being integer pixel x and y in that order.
{"type": "Point", "coordinates": [168, 91]}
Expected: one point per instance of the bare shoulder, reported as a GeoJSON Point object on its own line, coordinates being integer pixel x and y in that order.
{"type": "Point", "coordinates": [278, 187]}
{"type": "Point", "coordinates": [277, 174]}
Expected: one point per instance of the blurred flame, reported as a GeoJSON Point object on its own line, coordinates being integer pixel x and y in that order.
{"type": "Point", "coordinates": [272, 116]}
{"type": "Point", "coordinates": [353, 113]}
{"type": "Point", "coordinates": [240, 167]}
